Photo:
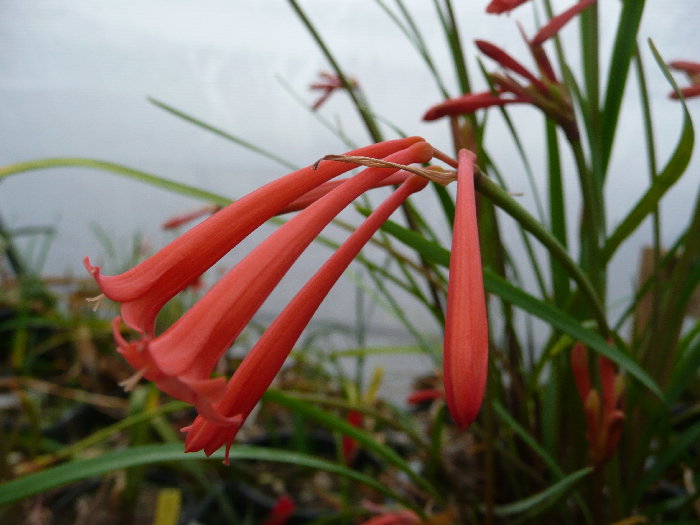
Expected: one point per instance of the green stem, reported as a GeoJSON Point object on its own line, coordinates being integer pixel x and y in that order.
{"type": "Point", "coordinates": [592, 226]}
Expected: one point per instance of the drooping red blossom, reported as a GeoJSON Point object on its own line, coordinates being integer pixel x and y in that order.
{"type": "Point", "coordinates": [181, 359]}
{"type": "Point", "coordinates": [555, 24]}
{"type": "Point", "coordinates": [503, 6]}
{"type": "Point", "coordinates": [144, 289]}
{"type": "Point", "coordinates": [604, 416]}
{"type": "Point", "coordinates": [469, 103]}
{"type": "Point", "coordinates": [465, 359]}
{"type": "Point", "coordinates": [257, 370]}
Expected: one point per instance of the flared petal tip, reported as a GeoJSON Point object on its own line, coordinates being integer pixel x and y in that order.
{"type": "Point", "coordinates": [202, 435]}
{"type": "Point", "coordinates": [92, 270]}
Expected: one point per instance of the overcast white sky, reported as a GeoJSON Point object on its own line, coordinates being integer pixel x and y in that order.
{"type": "Point", "coordinates": [75, 77]}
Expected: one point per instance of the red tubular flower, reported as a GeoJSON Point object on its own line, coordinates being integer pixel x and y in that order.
{"type": "Point", "coordinates": [552, 27]}
{"type": "Point", "coordinates": [504, 59]}
{"type": "Point", "coordinates": [687, 92]}
{"type": "Point", "coordinates": [465, 358]}
{"type": "Point", "coordinates": [281, 512]}
{"type": "Point", "coordinates": [181, 359]}
{"type": "Point", "coordinates": [469, 103]}
{"type": "Point", "coordinates": [259, 367]}
{"type": "Point", "coordinates": [604, 417]}
{"type": "Point", "coordinates": [503, 6]}
{"type": "Point", "coordinates": [349, 445]}
{"type": "Point", "coordinates": [692, 69]}
{"type": "Point", "coordinates": [144, 289]}
{"type": "Point", "coordinates": [427, 394]}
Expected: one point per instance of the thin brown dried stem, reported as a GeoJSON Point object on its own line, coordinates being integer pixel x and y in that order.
{"type": "Point", "coordinates": [432, 173]}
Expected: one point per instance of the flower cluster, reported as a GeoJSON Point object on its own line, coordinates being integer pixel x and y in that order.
{"type": "Point", "coordinates": [544, 91]}
{"type": "Point", "coordinates": [181, 360]}
{"type": "Point", "coordinates": [604, 418]}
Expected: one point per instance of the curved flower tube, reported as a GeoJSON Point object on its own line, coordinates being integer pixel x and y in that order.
{"type": "Point", "coordinates": [469, 103]}
{"type": "Point", "coordinates": [465, 359]}
{"type": "Point", "coordinates": [552, 27]}
{"type": "Point", "coordinates": [498, 7]}
{"type": "Point", "coordinates": [144, 289]}
{"type": "Point", "coordinates": [259, 367]}
{"type": "Point", "coordinates": [181, 359]}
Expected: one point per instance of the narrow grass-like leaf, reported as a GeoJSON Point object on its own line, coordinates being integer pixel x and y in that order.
{"type": "Point", "coordinates": [148, 454]}
{"type": "Point", "coordinates": [675, 167]}
{"type": "Point", "coordinates": [223, 134]}
{"type": "Point", "coordinates": [546, 498]}
{"type": "Point", "coordinates": [118, 169]}
{"type": "Point", "coordinates": [623, 51]}
{"type": "Point", "coordinates": [413, 35]}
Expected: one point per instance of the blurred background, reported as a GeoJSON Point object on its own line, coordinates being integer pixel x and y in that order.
{"type": "Point", "coordinates": [76, 77]}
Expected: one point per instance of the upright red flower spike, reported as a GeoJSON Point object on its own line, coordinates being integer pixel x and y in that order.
{"type": "Point", "coordinates": [257, 370]}
{"type": "Point", "coordinates": [144, 289]}
{"type": "Point", "coordinates": [604, 417]}
{"type": "Point", "coordinates": [182, 358]}
{"type": "Point", "coordinates": [466, 344]}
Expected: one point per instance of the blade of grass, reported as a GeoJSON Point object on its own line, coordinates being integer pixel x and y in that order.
{"type": "Point", "coordinates": [674, 169]}
{"type": "Point", "coordinates": [152, 180]}
{"type": "Point", "coordinates": [148, 454]}
{"type": "Point", "coordinates": [623, 51]}
{"type": "Point", "coordinates": [221, 133]}
{"type": "Point", "coordinates": [546, 498]}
